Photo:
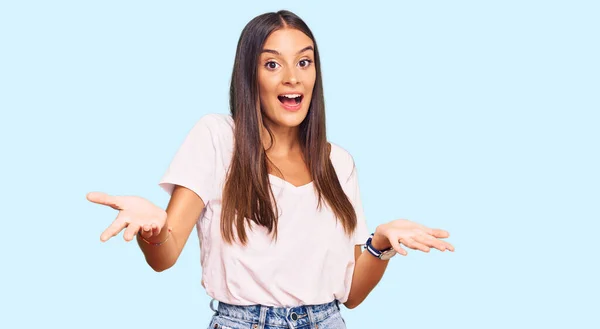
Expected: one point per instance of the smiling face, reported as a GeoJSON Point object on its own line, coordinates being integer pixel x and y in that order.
{"type": "Point", "coordinates": [286, 77]}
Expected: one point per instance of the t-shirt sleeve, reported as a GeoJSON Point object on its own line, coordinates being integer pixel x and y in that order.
{"type": "Point", "coordinates": [361, 234]}
{"type": "Point", "coordinates": [194, 163]}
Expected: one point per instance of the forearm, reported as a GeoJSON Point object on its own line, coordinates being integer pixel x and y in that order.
{"type": "Point", "coordinates": [160, 257]}
{"type": "Point", "coordinates": [368, 271]}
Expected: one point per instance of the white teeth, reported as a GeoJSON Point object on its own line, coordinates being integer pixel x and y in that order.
{"type": "Point", "coordinates": [291, 95]}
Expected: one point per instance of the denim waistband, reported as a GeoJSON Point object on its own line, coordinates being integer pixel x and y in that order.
{"type": "Point", "coordinates": [299, 316]}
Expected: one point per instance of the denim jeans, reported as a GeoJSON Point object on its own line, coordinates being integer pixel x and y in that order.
{"type": "Point", "coordinates": [323, 316]}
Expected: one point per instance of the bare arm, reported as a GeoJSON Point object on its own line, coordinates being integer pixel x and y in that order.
{"type": "Point", "coordinates": [183, 211]}
{"type": "Point", "coordinates": [368, 271]}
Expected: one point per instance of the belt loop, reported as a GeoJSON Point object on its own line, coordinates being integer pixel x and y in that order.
{"type": "Point", "coordinates": [311, 318]}
{"type": "Point", "coordinates": [212, 307]}
{"type": "Point", "coordinates": [263, 317]}
{"type": "Point", "coordinates": [337, 303]}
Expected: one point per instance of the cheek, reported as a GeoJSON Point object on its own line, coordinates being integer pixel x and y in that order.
{"type": "Point", "coordinates": [310, 79]}
{"type": "Point", "coordinates": [266, 87]}
{"type": "Point", "coordinates": [310, 83]}
{"type": "Point", "coordinates": [263, 94]}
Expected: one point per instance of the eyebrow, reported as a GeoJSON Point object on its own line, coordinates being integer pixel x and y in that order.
{"type": "Point", "coordinates": [279, 54]}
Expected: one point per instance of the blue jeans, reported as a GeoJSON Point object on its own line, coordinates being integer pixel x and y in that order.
{"type": "Point", "coordinates": [323, 316]}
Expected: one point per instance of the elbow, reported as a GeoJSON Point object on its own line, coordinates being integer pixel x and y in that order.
{"type": "Point", "coordinates": [355, 299]}
{"type": "Point", "coordinates": [351, 304]}
{"type": "Point", "coordinates": [160, 259]}
{"type": "Point", "coordinates": [160, 267]}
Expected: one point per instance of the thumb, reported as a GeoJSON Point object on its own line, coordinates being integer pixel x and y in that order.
{"type": "Point", "coordinates": [104, 199]}
{"type": "Point", "coordinates": [397, 247]}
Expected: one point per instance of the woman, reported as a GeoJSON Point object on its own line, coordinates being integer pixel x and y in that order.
{"type": "Point", "coordinates": [277, 207]}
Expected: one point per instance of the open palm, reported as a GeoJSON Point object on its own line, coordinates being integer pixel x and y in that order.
{"type": "Point", "coordinates": [135, 213]}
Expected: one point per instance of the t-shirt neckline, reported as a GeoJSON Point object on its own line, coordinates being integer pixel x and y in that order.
{"type": "Point", "coordinates": [276, 180]}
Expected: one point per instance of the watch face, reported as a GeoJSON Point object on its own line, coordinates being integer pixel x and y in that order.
{"type": "Point", "coordinates": [388, 254]}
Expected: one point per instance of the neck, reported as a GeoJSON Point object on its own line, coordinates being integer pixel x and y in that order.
{"type": "Point", "coordinates": [285, 141]}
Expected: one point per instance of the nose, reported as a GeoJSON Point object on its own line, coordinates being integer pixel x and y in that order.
{"type": "Point", "coordinates": [290, 77]}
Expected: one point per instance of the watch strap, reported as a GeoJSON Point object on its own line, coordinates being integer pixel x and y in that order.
{"type": "Point", "coordinates": [375, 252]}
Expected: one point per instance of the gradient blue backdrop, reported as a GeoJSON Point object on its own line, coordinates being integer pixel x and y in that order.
{"type": "Point", "coordinates": [477, 117]}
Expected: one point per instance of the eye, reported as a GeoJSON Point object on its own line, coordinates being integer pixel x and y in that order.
{"type": "Point", "coordinates": [270, 65]}
{"type": "Point", "coordinates": [305, 63]}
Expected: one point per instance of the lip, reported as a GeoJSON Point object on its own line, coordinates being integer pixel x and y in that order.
{"type": "Point", "coordinates": [292, 108]}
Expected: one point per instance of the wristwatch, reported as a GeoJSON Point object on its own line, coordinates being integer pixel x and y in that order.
{"type": "Point", "coordinates": [381, 254]}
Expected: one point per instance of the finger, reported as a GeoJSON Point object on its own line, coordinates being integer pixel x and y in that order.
{"type": "Point", "coordinates": [146, 230]}
{"type": "Point", "coordinates": [104, 199]}
{"type": "Point", "coordinates": [131, 231]}
{"type": "Point", "coordinates": [396, 245]}
{"type": "Point", "coordinates": [153, 230]}
{"type": "Point", "coordinates": [430, 241]}
{"type": "Point", "coordinates": [156, 229]}
{"type": "Point", "coordinates": [117, 225]}
{"type": "Point", "coordinates": [439, 233]}
{"type": "Point", "coordinates": [436, 232]}
{"type": "Point", "coordinates": [414, 244]}
{"type": "Point", "coordinates": [422, 228]}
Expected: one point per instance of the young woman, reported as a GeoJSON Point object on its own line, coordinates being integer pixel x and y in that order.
{"type": "Point", "coordinates": [277, 208]}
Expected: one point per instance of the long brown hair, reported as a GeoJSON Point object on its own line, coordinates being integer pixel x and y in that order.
{"type": "Point", "coordinates": [247, 194]}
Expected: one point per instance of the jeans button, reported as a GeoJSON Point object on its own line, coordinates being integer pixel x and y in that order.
{"type": "Point", "coordinates": [294, 316]}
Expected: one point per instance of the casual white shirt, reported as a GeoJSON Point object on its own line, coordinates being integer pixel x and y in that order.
{"type": "Point", "coordinates": [311, 262]}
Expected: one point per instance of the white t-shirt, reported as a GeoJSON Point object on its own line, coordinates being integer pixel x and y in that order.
{"type": "Point", "coordinates": [311, 262]}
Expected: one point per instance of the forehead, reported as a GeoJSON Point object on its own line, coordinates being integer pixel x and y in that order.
{"type": "Point", "coordinates": [287, 41]}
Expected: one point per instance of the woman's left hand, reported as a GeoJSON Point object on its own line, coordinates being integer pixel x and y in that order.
{"type": "Point", "coordinates": [410, 234]}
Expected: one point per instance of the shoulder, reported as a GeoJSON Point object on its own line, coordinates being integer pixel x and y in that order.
{"type": "Point", "coordinates": [215, 122]}
{"type": "Point", "coordinates": [213, 126]}
{"type": "Point", "coordinates": [342, 161]}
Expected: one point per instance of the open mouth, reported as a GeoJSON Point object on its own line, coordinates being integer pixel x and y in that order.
{"type": "Point", "coordinates": [290, 99]}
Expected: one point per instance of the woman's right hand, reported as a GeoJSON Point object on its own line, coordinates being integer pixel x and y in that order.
{"type": "Point", "coordinates": [135, 213]}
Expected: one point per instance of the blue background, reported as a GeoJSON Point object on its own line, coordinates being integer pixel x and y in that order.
{"type": "Point", "coordinates": [477, 117]}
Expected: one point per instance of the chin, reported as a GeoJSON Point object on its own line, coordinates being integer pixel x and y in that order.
{"type": "Point", "coordinates": [293, 119]}
{"type": "Point", "coordinates": [284, 118]}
